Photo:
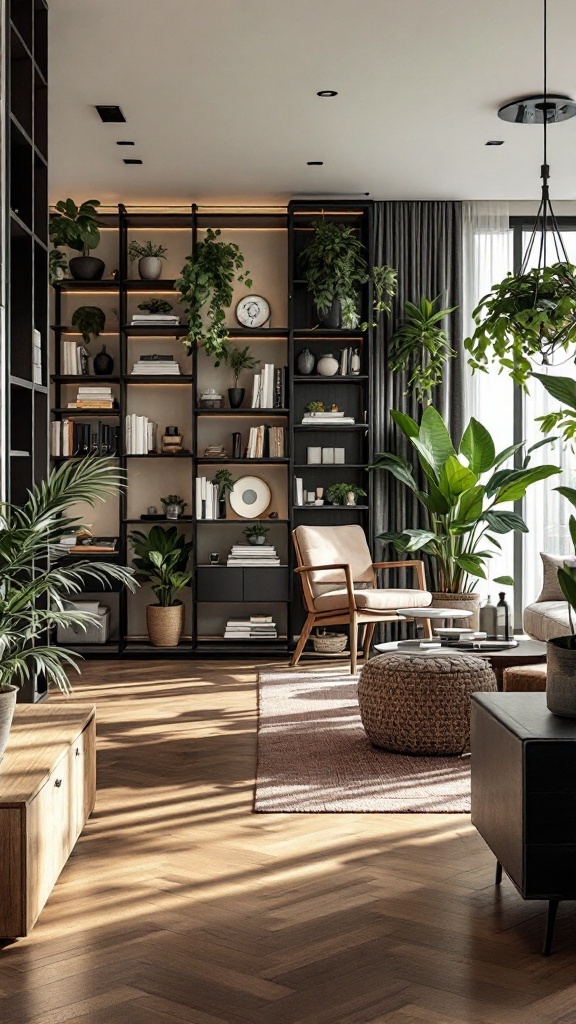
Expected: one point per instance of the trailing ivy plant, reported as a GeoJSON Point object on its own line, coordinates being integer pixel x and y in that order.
{"type": "Point", "coordinates": [89, 320]}
{"type": "Point", "coordinates": [526, 317]}
{"type": "Point", "coordinates": [205, 287]}
{"type": "Point", "coordinates": [57, 265]}
{"type": "Point", "coordinates": [421, 347]}
{"type": "Point", "coordinates": [385, 282]}
{"type": "Point", "coordinates": [564, 390]}
{"type": "Point", "coordinates": [334, 267]}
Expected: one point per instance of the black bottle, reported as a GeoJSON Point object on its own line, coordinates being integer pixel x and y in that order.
{"type": "Point", "coordinates": [503, 619]}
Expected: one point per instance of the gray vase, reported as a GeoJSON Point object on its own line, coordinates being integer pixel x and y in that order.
{"type": "Point", "coordinates": [330, 316]}
{"type": "Point", "coordinates": [7, 705]}
{"type": "Point", "coordinates": [305, 362]}
{"type": "Point", "coordinates": [561, 676]}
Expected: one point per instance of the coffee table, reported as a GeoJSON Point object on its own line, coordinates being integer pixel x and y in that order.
{"type": "Point", "coordinates": [528, 652]}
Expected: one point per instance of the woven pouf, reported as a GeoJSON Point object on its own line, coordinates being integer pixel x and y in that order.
{"type": "Point", "coordinates": [525, 679]}
{"type": "Point", "coordinates": [420, 703]}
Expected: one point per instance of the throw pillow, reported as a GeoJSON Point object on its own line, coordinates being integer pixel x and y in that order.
{"type": "Point", "coordinates": [551, 590]}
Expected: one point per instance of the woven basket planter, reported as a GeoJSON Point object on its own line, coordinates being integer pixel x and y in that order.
{"type": "Point", "coordinates": [469, 602]}
{"type": "Point", "coordinates": [330, 643]}
{"type": "Point", "coordinates": [420, 704]}
{"type": "Point", "coordinates": [165, 624]}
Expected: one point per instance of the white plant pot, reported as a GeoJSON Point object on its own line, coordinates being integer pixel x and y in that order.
{"type": "Point", "coordinates": [150, 268]}
{"type": "Point", "coordinates": [7, 705]}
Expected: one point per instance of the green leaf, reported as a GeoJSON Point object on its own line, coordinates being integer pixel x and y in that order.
{"type": "Point", "coordinates": [568, 586]}
{"type": "Point", "coordinates": [506, 453]}
{"type": "Point", "coordinates": [472, 565]}
{"type": "Point", "coordinates": [435, 438]}
{"type": "Point", "coordinates": [418, 539]}
{"type": "Point", "coordinates": [561, 388]}
{"type": "Point", "coordinates": [407, 425]}
{"type": "Point", "coordinates": [506, 581]}
{"type": "Point", "coordinates": [505, 522]}
{"type": "Point", "coordinates": [471, 504]}
{"type": "Point", "coordinates": [516, 489]}
{"type": "Point", "coordinates": [399, 468]}
{"type": "Point", "coordinates": [478, 447]}
{"type": "Point", "coordinates": [569, 493]}
{"type": "Point", "coordinates": [455, 478]}
{"type": "Point", "coordinates": [572, 528]}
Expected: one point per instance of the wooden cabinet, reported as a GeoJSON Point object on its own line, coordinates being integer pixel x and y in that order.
{"type": "Point", "coordinates": [47, 791]}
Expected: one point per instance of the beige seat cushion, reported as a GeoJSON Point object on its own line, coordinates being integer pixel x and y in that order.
{"type": "Point", "coordinates": [545, 620]}
{"type": "Point", "coordinates": [373, 600]}
{"type": "Point", "coordinates": [329, 545]}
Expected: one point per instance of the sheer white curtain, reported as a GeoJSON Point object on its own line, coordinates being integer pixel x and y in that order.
{"type": "Point", "coordinates": [489, 397]}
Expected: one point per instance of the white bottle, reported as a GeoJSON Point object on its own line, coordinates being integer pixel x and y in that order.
{"type": "Point", "coordinates": [488, 618]}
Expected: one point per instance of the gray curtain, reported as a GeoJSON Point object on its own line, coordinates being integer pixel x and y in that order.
{"type": "Point", "coordinates": [423, 241]}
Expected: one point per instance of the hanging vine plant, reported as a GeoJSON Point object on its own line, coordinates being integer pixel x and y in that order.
{"type": "Point", "coordinates": [524, 320]}
{"type": "Point", "coordinates": [206, 290]}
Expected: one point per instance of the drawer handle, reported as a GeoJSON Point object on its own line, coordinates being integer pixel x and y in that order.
{"type": "Point", "coordinates": [57, 783]}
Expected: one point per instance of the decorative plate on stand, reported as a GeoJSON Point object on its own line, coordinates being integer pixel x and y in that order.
{"type": "Point", "coordinates": [250, 497]}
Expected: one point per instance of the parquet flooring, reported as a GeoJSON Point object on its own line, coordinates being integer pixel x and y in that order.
{"type": "Point", "coordinates": [180, 905]}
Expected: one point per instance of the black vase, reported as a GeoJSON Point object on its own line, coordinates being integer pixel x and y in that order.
{"type": "Point", "coordinates": [86, 268]}
{"type": "Point", "coordinates": [103, 363]}
{"type": "Point", "coordinates": [236, 397]}
{"type": "Point", "coordinates": [222, 507]}
{"type": "Point", "coordinates": [331, 316]}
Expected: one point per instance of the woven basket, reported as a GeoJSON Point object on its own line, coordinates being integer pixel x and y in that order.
{"type": "Point", "coordinates": [330, 643]}
{"type": "Point", "coordinates": [165, 624]}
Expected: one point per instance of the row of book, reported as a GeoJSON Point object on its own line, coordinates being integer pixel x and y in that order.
{"type": "Point", "coordinates": [140, 434]}
{"type": "Point", "coordinates": [253, 555]}
{"type": "Point", "coordinates": [323, 419]}
{"type": "Point", "coordinates": [156, 364]}
{"type": "Point", "coordinates": [265, 442]}
{"type": "Point", "coordinates": [155, 320]}
{"type": "Point", "coordinates": [257, 627]}
{"type": "Point", "coordinates": [269, 387]}
{"type": "Point", "coordinates": [350, 362]}
{"type": "Point", "coordinates": [70, 438]}
{"type": "Point", "coordinates": [206, 499]}
{"type": "Point", "coordinates": [92, 396]}
{"type": "Point", "coordinates": [74, 359]}
{"type": "Point", "coordinates": [75, 545]}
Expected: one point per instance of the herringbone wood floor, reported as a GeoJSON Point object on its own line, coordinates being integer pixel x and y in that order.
{"type": "Point", "coordinates": [179, 904]}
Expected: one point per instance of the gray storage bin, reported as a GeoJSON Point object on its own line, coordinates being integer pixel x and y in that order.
{"type": "Point", "coordinates": [92, 633]}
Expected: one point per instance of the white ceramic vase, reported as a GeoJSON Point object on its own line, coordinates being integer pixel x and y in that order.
{"type": "Point", "coordinates": [327, 365]}
{"type": "Point", "coordinates": [150, 268]}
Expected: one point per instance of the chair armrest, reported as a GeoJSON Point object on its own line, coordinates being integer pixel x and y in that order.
{"type": "Point", "coordinates": [347, 575]}
{"type": "Point", "coordinates": [416, 564]}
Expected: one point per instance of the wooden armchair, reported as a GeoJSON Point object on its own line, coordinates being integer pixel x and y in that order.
{"type": "Point", "coordinates": [340, 586]}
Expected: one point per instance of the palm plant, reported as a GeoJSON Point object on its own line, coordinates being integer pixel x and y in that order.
{"type": "Point", "coordinates": [35, 586]}
{"type": "Point", "coordinates": [239, 359]}
{"type": "Point", "coordinates": [421, 347]}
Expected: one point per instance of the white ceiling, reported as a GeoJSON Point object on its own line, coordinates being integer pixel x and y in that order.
{"type": "Point", "coordinates": [220, 98]}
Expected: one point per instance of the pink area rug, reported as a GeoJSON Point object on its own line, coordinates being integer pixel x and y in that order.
{"type": "Point", "coordinates": [313, 755]}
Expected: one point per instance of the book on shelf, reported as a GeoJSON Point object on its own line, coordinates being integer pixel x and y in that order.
{"type": "Point", "coordinates": [257, 627]}
{"type": "Point", "coordinates": [265, 441]}
{"type": "Point", "coordinates": [320, 420]}
{"type": "Point", "coordinates": [155, 320]}
{"type": "Point", "coordinates": [74, 361]}
{"type": "Point", "coordinates": [206, 499]}
{"type": "Point", "coordinates": [269, 387]}
{"type": "Point", "coordinates": [253, 555]}
{"type": "Point", "coordinates": [298, 490]}
{"type": "Point", "coordinates": [87, 545]}
{"type": "Point", "coordinates": [139, 434]}
{"type": "Point", "coordinates": [157, 366]}
{"type": "Point", "coordinates": [70, 438]}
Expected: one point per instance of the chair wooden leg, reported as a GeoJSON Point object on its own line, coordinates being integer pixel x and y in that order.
{"type": "Point", "coordinates": [427, 629]}
{"type": "Point", "coordinates": [306, 629]}
{"type": "Point", "coordinates": [368, 634]}
{"type": "Point", "coordinates": [353, 643]}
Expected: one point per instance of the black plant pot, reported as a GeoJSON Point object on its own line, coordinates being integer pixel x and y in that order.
{"type": "Point", "coordinates": [331, 316]}
{"type": "Point", "coordinates": [103, 363]}
{"type": "Point", "coordinates": [222, 507]}
{"type": "Point", "coordinates": [86, 268]}
{"type": "Point", "coordinates": [236, 397]}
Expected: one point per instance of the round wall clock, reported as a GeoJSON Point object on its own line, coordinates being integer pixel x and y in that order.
{"type": "Point", "coordinates": [253, 311]}
{"type": "Point", "coordinates": [250, 496]}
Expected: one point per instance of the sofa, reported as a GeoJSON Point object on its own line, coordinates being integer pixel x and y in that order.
{"type": "Point", "coordinates": [547, 617]}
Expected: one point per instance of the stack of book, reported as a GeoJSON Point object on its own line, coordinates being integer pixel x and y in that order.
{"type": "Point", "coordinates": [269, 388]}
{"type": "Point", "coordinates": [74, 359]}
{"type": "Point", "coordinates": [156, 364]}
{"type": "Point", "coordinates": [155, 320]}
{"type": "Point", "coordinates": [140, 432]}
{"type": "Point", "coordinates": [266, 442]}
{"type": "Point", "coordinates": [215, 451]}
{"type": "Point", "coordinates": [206, 499]}
{"type": "Point", "coordinates": [253, 554]}
{"type": "Point", "coordinates": [93, 397]}
{"type": "Point", "coordinates": [75, 545]}
{"type": "Point", "coordinates": [322, 419]}
{"type": "Point", "coordinates": [68, 437]}
{"type": "Point", "coordinates": [349, 362]}
{"type": "Point", "coordinates": [257, 627]}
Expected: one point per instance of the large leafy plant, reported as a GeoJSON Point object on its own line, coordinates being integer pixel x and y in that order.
{"type": "Point", "coordinates": [334, 267]}
{"type": "Point", "coordinates": [420, 346]}
{"type": "Point", "coordinates": [37, 587]}
{"type": "Point", "coordinates": [462, 495]}
{"type": "Point", "coordinates": [205, 287]}
{"type": "Point", "coordinates": [525, 317]}
{"type": "Point", "coordinates": [161, 556]}
{"type": "Point", "coordinates": [89, 320]}
{"type": "Point", "coordinates": [564, 390]}
{"type": "Point", "coordinates": [567, 575]}
{"type": "Point", "coordinates": [75, 226]}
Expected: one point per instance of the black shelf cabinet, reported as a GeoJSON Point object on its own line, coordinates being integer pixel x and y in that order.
{"type": "Point", "coordinates": [24, 260]}
{"type": "Point", "coordinates": [221, 592]}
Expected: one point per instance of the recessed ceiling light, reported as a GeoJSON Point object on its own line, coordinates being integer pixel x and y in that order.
{"type": "Point", "coordinates": [494, 142]}
{"type": "Point", "coordinates": [125, 142]}
{"type": "Point", "coordinates": [109, 113]}
{"type": "Point", "coordinates": [132, 161]}
{"type": "Point", "coordinates": [315, 163]}
{"type": "Point", "coordinates": [327, 92]}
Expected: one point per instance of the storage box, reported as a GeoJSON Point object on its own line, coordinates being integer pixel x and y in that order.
{"type": "Point", "coordinates": [314, 456]}
{"type": "Point", "coordinates": [92, 632]}
{"type": "Point", "coordinates": [340, 456]}
{"type": "Point", "coordinates": [328, 456]}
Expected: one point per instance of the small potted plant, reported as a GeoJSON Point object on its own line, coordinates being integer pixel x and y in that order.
{"type": "Point", "coordinates": [155, 305]}
{"type": "Point", "coordinates": [344, 494]}
{"type": "Point", "coordinates": [149, 258]}
{"type": "Point", "coordinates": [225, 484]}
{"type": "Point", "coordinates": [89, 320]}
{"type": "Point", "coordinates": [161, 557]}
{"type": "Point", "coordinates": [57, 266]}
{"type": "Point", "coordinates": [420, 346]}
{"type": "Point", "coordinates": [173, 506]}
{"type": "Point", "coordinates": [77, 228]}
{"type": "Point", "coordinates": [255, 533]}
{"type": "Point", "coordinates": [238, 359]}
{"type": "Point", "coordinates": [334, 267]}
{"type": "Point", "coordinates": [315, 407]}
{"type": "Point", "coordinates": [205, 287]}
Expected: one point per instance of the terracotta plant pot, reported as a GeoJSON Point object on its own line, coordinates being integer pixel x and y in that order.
{"type": "Point", "coordinates": [165, 624]}
{"type": "Point", "coordinates": [86, 268]}
{"type": "Point", "coordinates": [469, 602]}
{"type": "Point", "coordinates": [7, 705]}
{"type": "Point", "coordinates": [561, 676]}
